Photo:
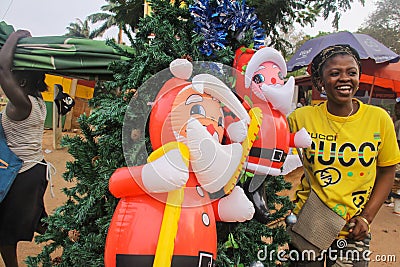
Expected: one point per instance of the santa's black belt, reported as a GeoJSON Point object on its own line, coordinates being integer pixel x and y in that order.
{"type": "Point", "coordinates": [274, 154]}
{"type": "Point", "coordinates": [204, 259]}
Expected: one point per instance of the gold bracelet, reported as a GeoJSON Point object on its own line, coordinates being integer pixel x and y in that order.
{"type": "Point", "coordinates": [366, 221]}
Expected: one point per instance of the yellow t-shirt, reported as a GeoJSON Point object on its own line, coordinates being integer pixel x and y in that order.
{"type": "Point", "coordinates": [342, 159]}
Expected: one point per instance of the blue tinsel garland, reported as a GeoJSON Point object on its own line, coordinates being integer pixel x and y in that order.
{"type": "Point", "coordinates": [214, 21]}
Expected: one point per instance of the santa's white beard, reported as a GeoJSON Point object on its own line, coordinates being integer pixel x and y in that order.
{"type": "Point", "coordinates": [280, 96]}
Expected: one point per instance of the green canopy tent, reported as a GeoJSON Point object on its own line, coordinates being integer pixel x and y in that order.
{"type": "Point", "coordinates": [66, 56]}
{"type": "Point", "coordinates": [77, 58]}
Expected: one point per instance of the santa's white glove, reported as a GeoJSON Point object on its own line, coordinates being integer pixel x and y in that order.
{"type": "Point", "coordinates": [167, 173]}
{"type": "Point", "coordinates": [235, 207]}
{"type": "Point", "coordinates": [237, 131]}
{"type": "Point", "coordinates": [302, 138]}
{"type": "Point", "coordinates": [213, 164]}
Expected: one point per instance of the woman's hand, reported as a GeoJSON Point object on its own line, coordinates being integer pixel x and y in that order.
{"type": "Point", "coordinates": [382, 187]}
{"type": "Point", "coordinates": [8, 49]}
{"type": "Point", "coordinates": [361, 228]}
{"type": "Point", "coordinates": [20, 34]}
{"type": "Point", "coordinates": [19, 106]}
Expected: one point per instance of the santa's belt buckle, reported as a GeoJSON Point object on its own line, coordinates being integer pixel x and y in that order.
{"type": "Point", "coordinates": [277, 155]}
{"type": "Point", "coordinates": [206, 260]}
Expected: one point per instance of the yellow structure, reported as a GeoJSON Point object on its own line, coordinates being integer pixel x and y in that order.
{"type": "Point", "coordinates": [84, 89]}
{"type": "Point", "coordinates": [80, 90]}
{"type": "Point", "coordinates": [147, 7]}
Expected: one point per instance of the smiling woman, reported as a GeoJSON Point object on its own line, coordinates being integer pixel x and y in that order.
{"type": "Point", "coordinates": [352, 171]}
{"type": "Point", "coordinates": [336, 71]}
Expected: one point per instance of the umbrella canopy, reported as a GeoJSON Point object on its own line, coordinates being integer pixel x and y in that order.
{"type": "Point", "coordinates": [76, 57]}
{"type": "Point", "coordinates": [383, 75]}
{"type": "Point", "coordinates": [366, 46]}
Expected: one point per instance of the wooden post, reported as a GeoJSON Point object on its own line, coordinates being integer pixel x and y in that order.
{"type": "Point", "coordinates": [295, 97]}
{"type": "Point", "coordinates": [57, 122]}
{"type": "Point", "coordinates": [372, 91]}
{"type": "Point", "coordinates": [147, 8]}
{"type": "Point", "coordinates": [69, 116]}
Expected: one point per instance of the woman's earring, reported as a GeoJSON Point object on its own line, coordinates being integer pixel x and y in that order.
{"type": "Point", "coordinates": [22, 83]}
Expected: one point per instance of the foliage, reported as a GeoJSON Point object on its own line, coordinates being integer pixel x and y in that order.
{"type": "Point", "coordinates": [336, 7]}
{"type": "Point", "coordinates": [108, 20]}
{"type": "Point", "coordinates": [127, 11]}
{"type": "Point", "coordinates": [89, 206]}
{"type": "Point", "coordinates": [82, 29]}
{"type": "Point", "coordinates": [278, 16]}
{"type": "Point", "coordinates": [239, 243]}
{"type": "Point", "coordinates": [296, 39]}
{"type": "Point", "coordinates": [78, 28]}
{"type": "Point", "coordinates": [384, 24]}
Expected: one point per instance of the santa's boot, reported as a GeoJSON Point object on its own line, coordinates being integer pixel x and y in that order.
{"type": "Point", "coordinates": [254, 189]}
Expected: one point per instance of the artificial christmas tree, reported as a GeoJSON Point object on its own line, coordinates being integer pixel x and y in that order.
{"type": "Point", "coordinates": [77, 230]}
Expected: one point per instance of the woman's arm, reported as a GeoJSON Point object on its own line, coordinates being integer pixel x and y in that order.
{"type": "Point", "coordinates": [19, 106]}
{"type": "Point", "coordinates": [383, 185]}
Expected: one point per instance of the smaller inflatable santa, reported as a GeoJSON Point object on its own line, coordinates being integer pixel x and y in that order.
{"type": "Point", "coordinates": [265, 87]}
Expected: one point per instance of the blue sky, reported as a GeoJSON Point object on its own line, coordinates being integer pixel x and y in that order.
{"type": "Point", "coordinates": [51, 17]}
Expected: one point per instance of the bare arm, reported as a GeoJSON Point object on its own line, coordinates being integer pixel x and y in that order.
{"type": "Point", "coordinates": [19, 106]}
{"type": "Point", "coordinates": [383, 185]}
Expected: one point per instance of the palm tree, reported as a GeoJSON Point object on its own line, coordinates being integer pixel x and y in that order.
{"type": "Point", "coordinates": [108, 19]}
{"type": "Point", "coordinates": [80, 29]}
{"type": "Point", "coordinates": [118, 13]}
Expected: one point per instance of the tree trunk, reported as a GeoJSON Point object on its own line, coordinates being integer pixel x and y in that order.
{"type": "Point", "coordinates": [120, 36]}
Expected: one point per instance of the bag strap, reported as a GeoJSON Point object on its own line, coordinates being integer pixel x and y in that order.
{"type": "Point", "coordinates": [50, 169]}
{"type": "Point", "coordinates": [300, 154]}
{"type": "Point", "coordinates": [2, 134]}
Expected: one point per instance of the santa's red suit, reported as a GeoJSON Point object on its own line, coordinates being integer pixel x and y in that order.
{"type": "Point", "coordinates": [271, 147]}
{"type": "Point", "coordinates": [137, 221]}
{"type": "Point", "coordinates": [262, 85]}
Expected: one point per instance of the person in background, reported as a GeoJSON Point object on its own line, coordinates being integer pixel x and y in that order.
{"type": "Point", "coordinates": [351, 162]}
{"type": "Point", "coordinates": [301, 103]}
{"type": "Point", "coordinates": [23, 119]}
{"type": "Point", "coordinates": [397, 119]}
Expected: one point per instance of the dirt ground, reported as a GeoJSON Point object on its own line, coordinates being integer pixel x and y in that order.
{"type": "Point", "coordinates": [385, 229]}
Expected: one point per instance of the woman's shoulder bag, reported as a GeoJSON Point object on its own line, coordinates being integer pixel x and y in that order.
{"type": "Point", "coordinates": [10, 164]}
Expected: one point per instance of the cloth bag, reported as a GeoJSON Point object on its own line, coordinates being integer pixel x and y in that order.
{"type": "Point", "coordinates": [10, 164]}
{"type": "Point", "coordinates": [63, 101]}
{"type": "Point", "coordinates": [317, 226]}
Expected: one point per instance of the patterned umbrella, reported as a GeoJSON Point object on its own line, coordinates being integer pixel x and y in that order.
{"type": "Point", "coordinates": [366, 46]}
{"type": "Point", "coordinates": [76, 57]}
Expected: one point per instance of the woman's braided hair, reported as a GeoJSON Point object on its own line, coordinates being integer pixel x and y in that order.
{"type": "Point", "coordinates": [320, 59]}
